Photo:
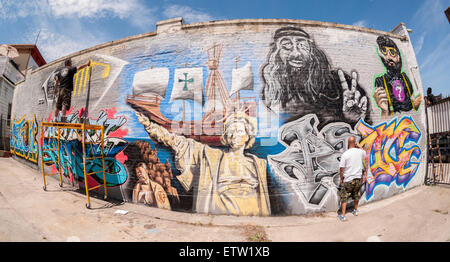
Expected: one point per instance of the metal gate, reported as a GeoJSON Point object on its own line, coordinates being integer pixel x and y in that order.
{"type": "Point", "coordinates": [438, 121]}
{"type": "Point", "coordinates": [4, 133]}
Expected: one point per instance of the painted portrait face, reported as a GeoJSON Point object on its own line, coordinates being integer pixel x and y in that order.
{"type": "Point", "coordinates": [390, 56]}
{"type": "Point", "coordinates": [236, 135]}
{"type": "Point", "coordinates": [142, 175]}
{"type": "Point", "coordinates": [167, 182]}
{"type": "Point", "coordinates": [294, 50]}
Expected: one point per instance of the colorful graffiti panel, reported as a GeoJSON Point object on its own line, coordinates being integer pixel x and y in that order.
{"type": "Point", "coordinates": [392, 152]}
{"type": "Point", "coordinates": [72, 155]}
{"type": "Point", "coordinates": [23, 141]}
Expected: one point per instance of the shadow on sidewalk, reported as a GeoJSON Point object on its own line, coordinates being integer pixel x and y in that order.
{"type": "Point", "coordinates": [110, 202]}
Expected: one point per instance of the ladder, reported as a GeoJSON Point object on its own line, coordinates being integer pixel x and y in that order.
{"type": "Point", "coordinates": [85, 146]}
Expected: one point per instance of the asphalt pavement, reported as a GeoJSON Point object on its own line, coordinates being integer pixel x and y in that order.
{"type": "Point", "coordinates": [28, 213]}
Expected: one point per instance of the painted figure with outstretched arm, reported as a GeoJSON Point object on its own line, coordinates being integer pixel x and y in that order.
{"type": "Point", "coordinates": [224, 181]}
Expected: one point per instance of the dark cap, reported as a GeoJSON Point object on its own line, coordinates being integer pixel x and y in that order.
{"type": "Point", "coordinates": [290, 31]}
{"type": "Point", "coordinates": [385, 41]}
{"type": "Point", "coordinates": [67, 61]}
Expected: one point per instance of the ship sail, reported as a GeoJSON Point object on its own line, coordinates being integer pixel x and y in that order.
{"type": "Point", "coordinates": [242, 79]}
{"type": "Point", "coordinates": [188, 85]}
{"type": "Point", "coordinates": [151, 81]}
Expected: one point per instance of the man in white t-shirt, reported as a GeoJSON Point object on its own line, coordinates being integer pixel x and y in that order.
{"type": "Point", "coordinates": [352, 171]}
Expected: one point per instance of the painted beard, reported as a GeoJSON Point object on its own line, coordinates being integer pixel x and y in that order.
{"type": "Point", "coordinates": [295, 83]}
{"type": "Point", "coordinates": [391, 65]}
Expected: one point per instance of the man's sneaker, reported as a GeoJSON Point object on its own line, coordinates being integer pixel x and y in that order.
{"type": "Point", "coordinates": [355, 212]}
{"type": "Point", "coordinates": [342, 218]}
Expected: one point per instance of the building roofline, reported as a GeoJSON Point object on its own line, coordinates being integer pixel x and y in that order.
{"type": "Point", "coordinates": [232, 22]}
{"type": "Point", "coordinates": [35, 53]}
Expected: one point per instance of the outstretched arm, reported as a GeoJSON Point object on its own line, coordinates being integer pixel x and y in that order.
{"type": "Point", "coordinates": [188, 152]}
{"type": "Point", "coordinates": [156, 131]}
{"type": "Point", "coordinates": [162, 135]}
{"type": "Point", "coordinates": [56, 85]}
{"type": "Point", "coordinates": [88, 63]}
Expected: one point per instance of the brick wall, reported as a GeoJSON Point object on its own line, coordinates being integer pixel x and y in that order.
{"type": "Point", "coordinates": [305, 88]}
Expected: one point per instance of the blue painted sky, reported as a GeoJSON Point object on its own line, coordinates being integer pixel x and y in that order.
{"type": "Point", "coordinates": [67, 26]}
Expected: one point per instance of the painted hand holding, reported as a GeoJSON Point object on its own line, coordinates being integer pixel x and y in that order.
{"type": "Point", "coordinates": [417, 101]}
{"type": "Point", "coordinates": [381, 99]}
{"type": "Point", "coordinates": [354, 105]}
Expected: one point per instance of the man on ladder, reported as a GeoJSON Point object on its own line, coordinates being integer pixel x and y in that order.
{"type": "Point", "coordinates": [65, 80]}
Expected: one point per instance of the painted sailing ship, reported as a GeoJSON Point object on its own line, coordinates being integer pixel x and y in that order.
{"type": "Point", "coordinates": [149, 89]}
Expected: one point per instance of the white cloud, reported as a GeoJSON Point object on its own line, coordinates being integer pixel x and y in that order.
{"type": "Point", "coordinates": [438, 55]}
{"type": "Point", "coordinates": [12, 9]}
{"type": "Point", "coordinates": [419, 44]}
{"type": "Point", "coordinates": [432, 45]}
{"type": "Point", "coordinates": [430, 14]}
{"type": "Point", "coordinates": [54, 44]}
{"type": "Point", "coordinates": [61, 22]}
{"type": "Point", "coordinates": [189, 15]}
{"type": "Point", "coordinates": [134, 11]}
{"type": "Point", "coordinates": [94, 8]}
{"type": "Point", "coordinates": [434, 69]}
{"type": "Point", "coordinates": [361, 23]}
{"type": "Point", "coordinates": [58, 38]}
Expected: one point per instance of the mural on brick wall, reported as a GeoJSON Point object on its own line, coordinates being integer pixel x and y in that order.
{"type": "Point", "coordinates": [393, 90]}
{"type": "Point", "coordinates": [225, 181]}
{"type": "Point", "coordinates": [251, 123]}
{"type": "Point", "coordinates": [309, 167]}
{"type": "Point", "coordinates": [299, 80]}
{"type": "Point", "coordinates": [103, 72]}
{"type": "Point", "coordinates": [72, 155]}
{"type": "Point", "coordinates": [216, 166]}
{"type": "Point", "coordinates": [151, 179]}
{"type": "Point", "coordinates": [322, 105]}
{"type": "Point", "coordinates": [204, 150]}
{"type": "Point", "coordinates": [23, 141]}
{"type": "Point", "coordinates": [392, 152]}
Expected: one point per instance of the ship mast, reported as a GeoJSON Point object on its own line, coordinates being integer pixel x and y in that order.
{"type": "Point", "coordinates": [184, 104]}
{"type": "Point", "coordinates": [236, 61]}
{"type": "Point", "coordinates": [217, 95]}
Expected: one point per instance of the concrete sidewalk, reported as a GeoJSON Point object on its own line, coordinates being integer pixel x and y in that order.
{"type": "Point", "coordinates": [28, 213]}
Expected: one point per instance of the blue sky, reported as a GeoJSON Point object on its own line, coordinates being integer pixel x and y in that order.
{"type": "Point", "coordinates": [67, 26]}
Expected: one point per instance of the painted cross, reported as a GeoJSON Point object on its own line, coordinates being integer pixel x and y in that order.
{"type": "Point", "coordinates": [186, 81]}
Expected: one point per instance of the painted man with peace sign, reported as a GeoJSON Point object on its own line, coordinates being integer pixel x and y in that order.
{"type": "Point", "coordinates": [354, 104]}
{"type": "Point", "coordinates": [298, 79]}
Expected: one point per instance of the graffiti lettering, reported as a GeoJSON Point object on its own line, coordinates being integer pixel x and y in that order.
{"type": "Point", "coordinates": [390, 149]}
{"type": "Point", "coordinates": [23, 141]}
{"type": "Point", "coordinates": [80, 81]}
{"type": "Point", "coordinates": [72, 154]}
{"type": "Point", "coordinates": [309, 166]}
